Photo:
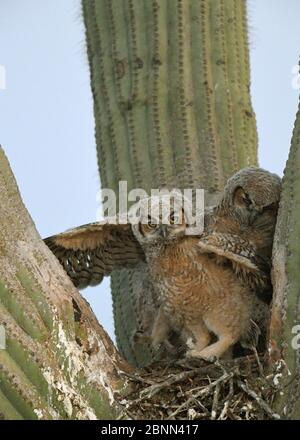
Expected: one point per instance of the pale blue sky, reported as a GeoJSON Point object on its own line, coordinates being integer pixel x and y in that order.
{"type": "Point", "coordinates": [46, 113]}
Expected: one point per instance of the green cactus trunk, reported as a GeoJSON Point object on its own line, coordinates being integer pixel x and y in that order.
{"type": "Point", "coordinates": [170, 81]}
{"type": "Point", "coordinates": [284, 335]}
{"type": "Point", "coordinates": [56, 362]}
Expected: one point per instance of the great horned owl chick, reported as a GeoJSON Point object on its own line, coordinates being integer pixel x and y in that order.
{"type": "Point", "coordinates": [244, 221]}
{"type": "Point", "coordinates": [200, 293]}
{"type": "Point", "coordinates": [198, 296]}
{"type": "Point", "coordinates": [245, 218]}
{"type": "Point", "coordinates": [249, 208]}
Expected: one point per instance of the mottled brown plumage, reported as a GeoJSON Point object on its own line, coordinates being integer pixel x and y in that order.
{"type": "Point", "coordinates": [245, 221]}
{"type": "Point", "coordinates": [205, 286]}
{"type": "Point", "coordinates": [249, 208]}
{"type": "Point", "coordinates": [199, 298]}
{"type": "Point", "coordinates": [90, 252]}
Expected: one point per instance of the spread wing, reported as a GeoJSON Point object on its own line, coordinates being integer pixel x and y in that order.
{"type": "Point", "coordinates": [241, 255]}
{"type": "Point", "coordinates": [90, 252]}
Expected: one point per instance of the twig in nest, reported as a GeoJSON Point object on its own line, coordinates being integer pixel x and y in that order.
{"type": "Point", "coordinates": [215, 403]}
{"type": "Point", "coordinates": [136, 378]}
{"type": "Point", "coordinates": [262, 403]}
{"type": "Point", "coordinates": [203, 392]}
{"type": "Point", "coordinates": [260, 367]}
{"type": "Point", "coordinates": [228, 399]}
{"type": "Point", "coordinates": [228, 390]}
{"type": "Point", "coordinates": [155, 388]}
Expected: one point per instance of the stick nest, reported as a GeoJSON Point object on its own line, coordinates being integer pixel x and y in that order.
{"type": "Point", "coordinates": [239, 389]}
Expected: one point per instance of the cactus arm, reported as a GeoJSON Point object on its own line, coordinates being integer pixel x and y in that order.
{"type": "Point", "coordinates": [57, 363]}
{"type": "Point", "coordinates": [286, 281]}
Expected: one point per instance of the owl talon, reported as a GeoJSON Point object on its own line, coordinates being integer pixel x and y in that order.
{"type": "Point", "coordinates": [211, 359]}
{"type": "Point", "coordinates": [190, 344]}
{"type": "Point", "coordinates": [195, 354]}
{"type": "Point", "coordinates": [192, 353]}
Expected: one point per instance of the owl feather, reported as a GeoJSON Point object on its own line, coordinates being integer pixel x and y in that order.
{"type": "Point", "coordinates": [90, 252]}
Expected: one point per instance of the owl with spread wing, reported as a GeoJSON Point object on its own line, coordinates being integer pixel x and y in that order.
{"type": "Point", "coordinates": [205, 284]}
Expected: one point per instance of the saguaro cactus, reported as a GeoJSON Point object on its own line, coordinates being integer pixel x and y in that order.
{"type": "Point", "coordinates": [57, 362]}
{"type": "Point", "coordinates": [285, 330]}
{"type": "Point", "coordinates": [170, 81]}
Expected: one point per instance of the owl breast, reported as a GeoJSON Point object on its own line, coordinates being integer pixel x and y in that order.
{"type": "Point", "coordinates": [178, 275]}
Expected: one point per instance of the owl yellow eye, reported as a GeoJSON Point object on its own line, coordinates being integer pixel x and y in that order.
{"type": "Point", "coordinates": [150, 224]}
{"type": "Point", "coordinates": [175, 219]}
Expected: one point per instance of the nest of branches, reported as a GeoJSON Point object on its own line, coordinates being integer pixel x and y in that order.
{"type": "Point", "coordinates": [239, 389]}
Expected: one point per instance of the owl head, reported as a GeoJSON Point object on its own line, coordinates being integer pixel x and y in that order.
{"type": "Point", "coordinates": [159, 219]}
{"type": "Point", "coordinates": [251, 194]}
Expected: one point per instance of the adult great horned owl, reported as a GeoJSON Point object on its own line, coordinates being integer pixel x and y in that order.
{"type": "Point", "coordinates": [198, 296]}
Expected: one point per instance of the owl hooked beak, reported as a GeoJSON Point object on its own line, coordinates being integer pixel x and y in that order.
{"type": "Point", "coordinates": [164, 231]}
